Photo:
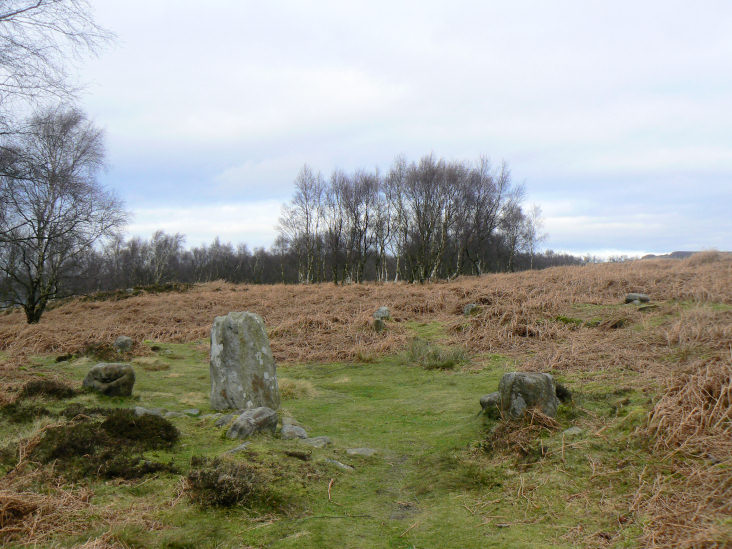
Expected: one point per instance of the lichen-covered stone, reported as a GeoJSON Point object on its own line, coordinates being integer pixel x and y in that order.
{"type": "Point", "coordinates": [123, 344]}
{"type": "Point", "coordinates": [110, 379]}
{"type": "Point", "coordinates": [521, 390]}
{"type": "Point", "coordinates": [254, 421]}
{"type": "Point", "coordinates": [243, 371]}
{"type": "Point", "coordinates": [471, 309]}
{"type": "Point", "coordinates": [382, 313]}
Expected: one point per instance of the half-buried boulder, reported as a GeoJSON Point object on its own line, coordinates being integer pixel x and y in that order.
{"type": "Point", "coordinates": [110, 379]}
{"type": "Point", "coordinates": [243, 371]}
{"type": "Point", "coordinates": [522, 390]}
{"type": "Point", "coordinates": [253, 421]}
{"type": "Point", "coordinates": [636, 298]}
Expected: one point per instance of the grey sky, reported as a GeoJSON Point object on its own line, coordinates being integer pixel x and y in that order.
{"type": "Point", "coordinates": [617, 116]}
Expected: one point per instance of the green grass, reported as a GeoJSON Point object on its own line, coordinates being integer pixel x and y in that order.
{"type": "Point", "coordinates": [429, 485]}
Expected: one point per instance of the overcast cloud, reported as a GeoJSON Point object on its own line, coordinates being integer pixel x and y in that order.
{"type": "Point", "coordinates": [617, 116]}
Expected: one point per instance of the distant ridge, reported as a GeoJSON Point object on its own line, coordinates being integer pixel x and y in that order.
{"type": "Point", "coordinates": [676, 255]}
{"type": "Point", "coordinates": [672, 255]}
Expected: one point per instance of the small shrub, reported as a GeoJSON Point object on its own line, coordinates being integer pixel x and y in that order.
{"type": "Point", "coordinates": [23, 412]}
{"type": "Point", "coordinates": [576, 322]}
{"type": "Point", "coordinates": [434, 357]}
{"type": "Point", "coordinates": [147, 431]}
{"type": "Point", "coordinates": [47, 387]}
{"type": "Point", "coordinates": [222, 483]}
{"type": "Point", "coordinates": [108, 449]}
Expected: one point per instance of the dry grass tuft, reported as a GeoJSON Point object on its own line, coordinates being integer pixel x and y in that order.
{"type": "Point", "coordinates": [296, 388]}
{"type": "Point", "coordinates": [693, 419]}
{"type": "Point", "coordinates": [33, 517]}
{"type": "Point", "coordinates": [521, 436]}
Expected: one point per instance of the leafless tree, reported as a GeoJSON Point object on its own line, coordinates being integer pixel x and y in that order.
{"type": "Point", "coordinates": [300, 220]}
{"type": "Point", "coordinates": [38, 39]}
{"type": "Point", "coordinates": [55, 209]}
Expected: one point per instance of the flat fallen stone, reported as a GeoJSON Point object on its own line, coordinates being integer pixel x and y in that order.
{"type": "Point", "coordinates": [174, 414]}
{"type": "Point", "coordinates": [243, 446]}
{"type": "Point", "coordinates": [293, 431]}
{"type": "Point", "coordinates": [254, 421]}
{"type": "Point", "coordinates": [140, 411]}
{"type": "Point", "coordinates": [339, 465]}
{"type": "Point", "coordinates": [317, 442]}
{"type": "Point", "coordinates": [224, 420]}
{"type": "Point", "coordinates": [633, 297]}
{"type": "Point", "coordinates": [365, 452]}
{"type": "Point", "coordinates": [193, 412]}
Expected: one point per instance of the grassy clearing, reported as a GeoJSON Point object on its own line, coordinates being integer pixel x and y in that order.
{"type": "Point", "coordinates": [647, 465]}
{"type": "Point", "coordinates": [431, 468]}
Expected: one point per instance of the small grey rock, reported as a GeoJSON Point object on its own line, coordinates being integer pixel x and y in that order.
{"type": "Point", "coordinates": [110, 379]}
{"type": "Point", "coordinates": [243, 446]}
{"type": "Point", "coordinates": [573, 432]}
{"type": "Point", "coordinates": [338, 464]}
{"type": "Point", "coordinates": [471, 309]}
{"type": "Point", "coordinates": [633, 297]}
{"type": "Point", "coordinates": [224, 420]}
{"type": "Point", "coordinates": [174, 414]}
{"type": "Point", "coordinates": [253, 421]}
{"type": "Point", "coordinates": [365, 452]}
{"type": "Point", "coordinates": [491, 404]}
{"type": "Point", "coordinates": [123, 344]}
{"type": "Point", "coordinates": [140, 411]}
{"type": "Point", "coordinates": [193, 412]}
{"type": "Point", "coordinates": [382, 313]}
{"type": "Point", "coordinates": [317, 442]}
{"type": "Point", "coordinates": [293, 431]}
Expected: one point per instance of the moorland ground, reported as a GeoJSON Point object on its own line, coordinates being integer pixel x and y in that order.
{"type": "Point", "coordinates": [649, 465]}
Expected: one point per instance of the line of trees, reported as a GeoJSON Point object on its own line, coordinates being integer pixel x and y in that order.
{"type": "Point", "coordinates": [427, 220]}
{"type": "Point", "coordinates": [163, 258]}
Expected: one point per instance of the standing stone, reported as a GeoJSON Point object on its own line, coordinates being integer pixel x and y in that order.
{"type": "Point", "coordinates": [110, 379]}
{"type": "Point", "coordinates": [243, 371]}
{"type": "Point", "coordinates": [379, 325]}
{"type": "Point", "coordinates": [522, 390]}
{"type": "Point", "coordinates": [382, 313]}
{"type": "Point", "coordinates": [123, 344]}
